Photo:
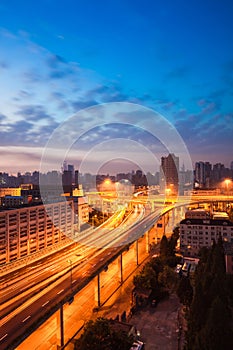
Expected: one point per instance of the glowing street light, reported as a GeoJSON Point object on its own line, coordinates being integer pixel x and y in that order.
{"type": "Point", "coordinates": [71, 277]}
{"type": "Point", "coordinates": [227, 183]}
{"type": "Point", "coordinates": [168, 191]}
{"type": "Point", "coordinates": [93, 220]}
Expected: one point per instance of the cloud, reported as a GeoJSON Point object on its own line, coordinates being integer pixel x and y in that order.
{"type": "Point", "coordinates": [55, 61]}
{"type": "Point", "coordinates": [178, 73]}
{"type": "Point", "coordinates": [217, 94]}
{"type": "Point", "coordinates": [32, 76]}
{"type": "Point", "coordinates": [34, 113]}
{"type": "Point", "coordinates": [210, 108]}
{"type": "Point", "coordinates": [2, 117]}
{"type": "Point", "coordinates": [206, 130]}
{"type": "Point", "coordinates": [3, 65]}
{"type": "Point", "coordinates": [28, 158]}
{"type": "Point", "coordinates": [77, 105]}
{"type": "Point", "coordinates": [34, 126]}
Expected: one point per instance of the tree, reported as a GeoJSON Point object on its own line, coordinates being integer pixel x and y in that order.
{"type": "Point", "coordinates": [217, 333]}
{"type": "Point", "coordinates": [185, 291]}
{"type": "Point", "coordinates": [146, 279]}
{"type": "Point", "coordinates": [164, 247]}
{"type": "Point", "coordinates": [99, 335]}
{"type": "Point", "coordinates": [173, 241]}
{"type": "Point", "coordinates": [168, 277]}
{"type": "Point", "coordinates": [209, 319]}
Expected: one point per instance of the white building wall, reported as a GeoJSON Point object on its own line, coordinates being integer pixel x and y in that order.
{"type": "Point", "coordinates": [27, 230]}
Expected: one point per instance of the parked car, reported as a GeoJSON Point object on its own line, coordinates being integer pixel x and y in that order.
{"type": "Point", "coordinates": [137, 345]}
{"type": "Point", "coordinates": [154, 302]}
{"type": "Point", "coordinates": [186, 268]}
{"type": "Point", "coordinates": [178, 268]}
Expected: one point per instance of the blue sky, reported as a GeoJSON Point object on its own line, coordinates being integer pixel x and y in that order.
{"type": "Point", "coordinates": [57, 57]}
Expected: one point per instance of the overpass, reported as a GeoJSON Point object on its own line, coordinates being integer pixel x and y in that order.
{"type": "Point", "coordinates": [121, 244]}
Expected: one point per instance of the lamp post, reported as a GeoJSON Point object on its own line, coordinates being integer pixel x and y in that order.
{"type": "Point", "coordinates": [71, 277]}
{"type": "Point", "coordinates": [93, 220]}
{"type": "Point", "coordinates": [227, 183]}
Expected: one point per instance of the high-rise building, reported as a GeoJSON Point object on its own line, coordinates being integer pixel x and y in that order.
{"type": "Point", "coordinates": [202, 175]}
{"type": "Point", "coordinates": [169, 174]}
{"type": "Point", "coordinates": [64, 166]}
{"type": "Point", "coordinates": [67, 181]}
{"type": "Point", "coordinates": [218, 173]}
{"type": "Point", "coordinates": [71, 169]}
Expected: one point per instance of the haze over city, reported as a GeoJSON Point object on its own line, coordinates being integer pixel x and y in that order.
{"type": "Point", "coordinates": [116, 174]}
{"type": "Point", "coordinates": [175, 57]}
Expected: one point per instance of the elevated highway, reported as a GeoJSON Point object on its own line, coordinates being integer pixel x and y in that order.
{"type": "Point", "coordinates": [94, 252]}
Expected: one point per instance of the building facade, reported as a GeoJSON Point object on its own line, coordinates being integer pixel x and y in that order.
{"type": "Point", "coordinates": [169, 174]}
{"type": "Point", "coordinates": [202, 175]}
{"type": "Point", "coordinates": [28, 230]}
{"type": "Point", "coordinates": [196, 233]}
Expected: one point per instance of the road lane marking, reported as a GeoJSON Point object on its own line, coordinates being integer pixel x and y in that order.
{"type": "Point", "coordinates": [60, 291]}
{"type": "Point", "coordinates": [45, 303]}
{"type": "Point", "coordinates": [4, 337]}
{"type": "Point", "coordinates": [26, 318]}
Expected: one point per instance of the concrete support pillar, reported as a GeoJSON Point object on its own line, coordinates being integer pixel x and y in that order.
{"type": "Point", "coordinates": [136, 252]}
{"type": "Point", "coordinates": [120, 268]}
{"type": "Point", "coordinates": [173, 218]}
{"type": "Point", "coordinates": [147, 241]}
{"type": "Point", "coordinates": [60, 328]}
{"type": "Point", "coordinates": [97, 291]}
{"type": "Point", "coordinates": [164, 223]}
{"type": "Point", "coordinates": [182, 212]}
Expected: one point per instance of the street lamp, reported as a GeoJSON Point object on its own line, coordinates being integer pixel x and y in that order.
{"type": "Point", "coordinates": [71, 277]}
{"type": "Point", "coordinates": [93, 220]}
{"type": "Point", "coordinates": [227, 183]}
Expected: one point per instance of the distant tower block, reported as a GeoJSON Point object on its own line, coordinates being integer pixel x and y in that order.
{"type": "Point", "coordinates": [170, 170]}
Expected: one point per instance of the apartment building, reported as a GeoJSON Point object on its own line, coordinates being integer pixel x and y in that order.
{"type": "Point", "coordinates": [196, 232]}
{"type": "Point", "coordinates": [28, 230]}
{"type": "Point", "coordinates": [169, 175]}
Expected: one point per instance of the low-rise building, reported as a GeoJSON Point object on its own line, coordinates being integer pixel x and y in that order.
{"type": "Point", "coordinates": [197, 214]}
{"type": "Point", "coordinates": [10, 191]}
{"type": "Point", "coordinates": [13, 201]}
{"type": "Point", "coordinates": [196, 233]}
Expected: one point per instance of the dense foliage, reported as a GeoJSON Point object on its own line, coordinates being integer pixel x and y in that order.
{"type": "Point", "coordinates": [185, 291]}
{"type": "Point", "coordinates": [209, 316]}
{"type": "Point", "coordinates": [158, 274]}
{"type": "Point", "coordinates": [99, 335]}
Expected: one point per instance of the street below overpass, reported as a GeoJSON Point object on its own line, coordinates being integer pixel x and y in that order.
{"type": "Point", "coordinates": [80, 280]}
{"type": "Point", "coordinates": [81, 310]}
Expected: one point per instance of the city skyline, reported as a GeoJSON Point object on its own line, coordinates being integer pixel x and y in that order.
{"type": "Point", "coordinates": [118, 171]}
{"type": "Point", "coordinates": [174, 58]}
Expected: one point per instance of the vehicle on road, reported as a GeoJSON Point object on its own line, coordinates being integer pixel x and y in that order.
{"type": "Point", "coordinates": [137, 345]}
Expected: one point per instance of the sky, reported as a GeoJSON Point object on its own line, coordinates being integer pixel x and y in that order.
{"type": "Point", "coordinates": [174, 57]}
